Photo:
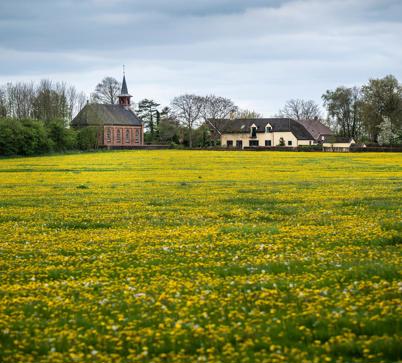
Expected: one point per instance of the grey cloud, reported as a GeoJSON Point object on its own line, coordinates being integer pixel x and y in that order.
{"type": "Point", "coordinates": [258, 52]}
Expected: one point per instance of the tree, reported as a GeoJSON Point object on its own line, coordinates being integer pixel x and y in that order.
{"type": "Point", "coordinates": [382, 100]}
{"type": "Point", "coordinates": [169, 127]}
{"type": "Point", "coordinates": [106, 91]}
{"type": "Point", "coordinates": [344, 110]}
{"type": "Point", "coordinates": [188, 110]}
{"type": "Point", "coordinates": [62, 138]}
{"type": "Point", "coordinates": [298, 109]}
{"type": "Point", "coordinates": [20, 100]}
{"type": "Point", "coordinates": [87, 138]}
{"type": "Point", "coordinates": [246, 114]}
{"type": "Point", "coordinates": [214, 109]}
{"type": "Point", "coordinates": [23, 137]}
{"type": "Point", "coordinates": [148, 111]}
{"type": "Point", "coordinates": [76, 101]}
{"type": "Point", "coordinates": [50, 101]}
{"type": "Point", "coordinates": [3, 102]}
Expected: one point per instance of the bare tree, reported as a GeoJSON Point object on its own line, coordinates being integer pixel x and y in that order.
{"type": "Point", "coordinates": [188, 110]}
{"type": "Point", "coordinates": [215, 109]}
{"type": "Point", "coordinates": [20, 99]}
{"type": "Point", "coordinates": [76, 101]}
{"type": "Point", "coordinates": [247, 114]}
{"type": "Point", "coordinates": [300, 110]}
{"type": "Point", "coordinates": [44, 101]}
{"type": "Point", "coordinates": [50, 102]}
{"type": "Point", "coordinates": [106, 91]}
{"type": "Point", "coordinates": [3, 102]}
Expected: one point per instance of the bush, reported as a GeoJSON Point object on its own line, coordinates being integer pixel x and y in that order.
{"type": "Point", "coordinates": [35, 138]}
{"type": "Point", "coordinates": [23, 137]}
{"type": "Point", "coordinates": [63, 138]}
{"type": "Point", "coordinates": [309, 147]}
{"type": "Point", "coordinates": [10, 136]}
{"type": "Point", "coordinates": [87, 138]}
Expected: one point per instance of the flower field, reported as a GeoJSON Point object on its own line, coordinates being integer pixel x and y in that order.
{"type": "Point", "coordinates": [201, 256]}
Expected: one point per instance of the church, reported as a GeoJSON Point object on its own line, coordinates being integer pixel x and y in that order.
{"type": "Point", "coordinates": [117, 125]}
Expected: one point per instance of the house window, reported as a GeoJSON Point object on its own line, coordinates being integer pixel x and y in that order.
{"type": "Point", "coordinates": [290, 143]}
{"type": "Point", "coordinates": [137, 136]}
{"type": "Point", "coordinates": [268, 143]}
{"type": "Point", "coordinates": [109, 135]}
{"type": "Point", "coordinates": [127, 136]}
{"type": "Point", "coordinates": [118, 136]}
{"type": "Point", "coordinates": [229, 143]}
{"type": "Point", "coordinates": [253, 143]}
{"type": "Point", "coordinates": [254, 132]}
{"type": "Point", "coordinates": [268, 129]}
{"type": "Point", "coordinates": [239, 144]}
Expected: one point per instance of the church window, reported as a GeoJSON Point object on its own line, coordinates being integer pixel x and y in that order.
{"type": "Point", "coordinates": [108, 135]}
{"type": "Point", "coordinates": [137, 136]}
{"type": "Point", "coordinates": [118, 136]}
{"type": "Point", "coordinates": [127, 136]}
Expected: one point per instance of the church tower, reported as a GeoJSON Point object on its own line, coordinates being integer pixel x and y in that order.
{"type": "Point", "coordinates": [124, 96]}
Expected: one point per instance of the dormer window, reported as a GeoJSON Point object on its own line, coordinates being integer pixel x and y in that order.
{"type": "Point", "coordinates": [253, 131]}
{"type": "Point", "coordinates": [268, 128]}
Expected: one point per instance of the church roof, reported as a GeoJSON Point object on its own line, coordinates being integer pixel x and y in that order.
{"type": "Point", "coordinates": [96, 114]}
{"type": "Point", "coordinates": [226, 126]}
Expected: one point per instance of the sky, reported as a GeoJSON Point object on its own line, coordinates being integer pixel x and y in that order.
{"type": "Point", "coordinates": [259, 53]}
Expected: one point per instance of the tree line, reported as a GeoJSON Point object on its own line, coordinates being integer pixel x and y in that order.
{"type": "Point", "coordinates": [35, 118]}
{"type": "Point", "coordinates": [371, 113]}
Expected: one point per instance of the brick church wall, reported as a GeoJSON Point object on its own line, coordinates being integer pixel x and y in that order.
{"type": "Point", "coordinates": [123, 136]}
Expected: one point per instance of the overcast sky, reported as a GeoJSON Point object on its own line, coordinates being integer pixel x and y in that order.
{"type": "Point", "coordinates": [260, 53]}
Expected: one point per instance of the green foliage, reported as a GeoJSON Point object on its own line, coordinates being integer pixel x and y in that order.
{"type": "Point", "coordinates": [371, 113]}
{"type": "Point", "coordinates": [202, 136]}
{"type": "Point", "coordinates": [343, 107]}
{"type": "Point", "coordinates": [23, 137]}
{"type": "Point", "coordinates": [10, 131]}
{"type": "Point", "coordinates": [383, 100]}
{"type": "Point", "coordinates": [148, 112]}
{"type": "Point", "coordinates": [87, 138]}
{"type": "Point", "coordinates": [34, 137]}
{"type": "Point", "coordinates": [63, 138]}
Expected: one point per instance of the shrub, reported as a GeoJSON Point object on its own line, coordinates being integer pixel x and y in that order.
{"type": "Point", "coordinates": [23, 137]}
{"type": "Point", "coordinates": [87, 138]}
{"type": "Point", "coordinates": [63, 138]}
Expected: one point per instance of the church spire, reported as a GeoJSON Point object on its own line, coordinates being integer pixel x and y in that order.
{"type": "Point", "coordinates": [124, 90]}
{"type": "Point", "coordinates": [124, 97]}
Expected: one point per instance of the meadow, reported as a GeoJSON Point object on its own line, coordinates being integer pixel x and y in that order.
{"type": "Point", "coordinates": [201, 256]}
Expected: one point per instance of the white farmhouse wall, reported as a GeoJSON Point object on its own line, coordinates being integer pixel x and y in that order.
{"type": "Point", "coordinates": [262, 137]}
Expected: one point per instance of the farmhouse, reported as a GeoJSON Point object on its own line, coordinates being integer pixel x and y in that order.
{"type": "Point", "coordinates": [116, 125]}
{"type": "Point", "coordinates": [268, 132]}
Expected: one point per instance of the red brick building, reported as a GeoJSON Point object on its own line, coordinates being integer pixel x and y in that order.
{"type": "Point", "coordinates": [116, 125]}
